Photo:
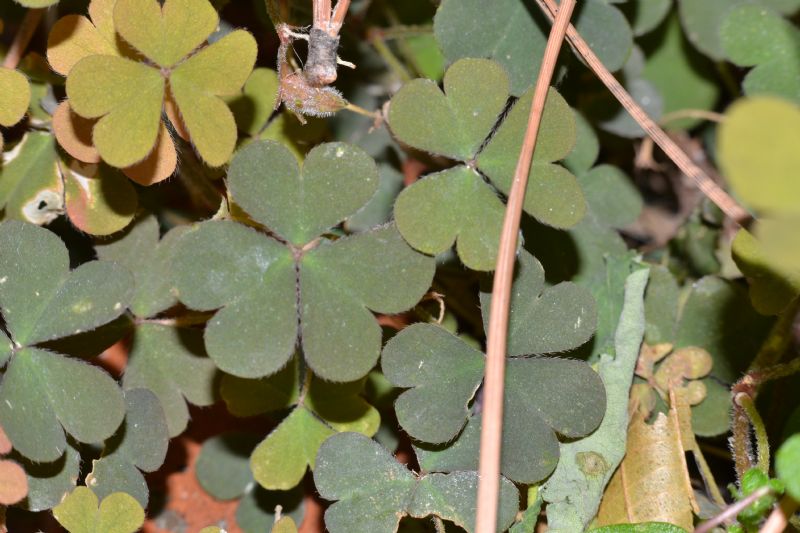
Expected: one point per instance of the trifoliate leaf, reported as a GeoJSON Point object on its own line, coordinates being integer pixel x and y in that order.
{"type": "Point", "coordinates": [754, 35]}
{"type": "Point", "coordinates": [553, 195]}
{"type": "Point", "coordinates": [576, 487]}
{"type": "Point", "coordinates": [30, 184]}
{"type": "Point", "coordinates": [141, 252]}
{"type": "Point", "coordinates": [424, 354]}
{"type": "Point", "coordinates": [543, 320]}
{"type": "Point", "coordinates": [787, 465]}
{"type": "Point", "coordinates": [512, 34]}
{"type": "Point", "coordinates": [611, 196]}
{"type": "Point", "coordinates": [372, 491]}
{"type": "Point", "coordinates": [767, 255]}
{"type": "Point", "coordinates": [702, 21]}
{"type": "Point", "coordinates": [678, 72]}
{"type": "Point", "coordinates": [72, 38]}
{"type": "Point", "coordinates": [172, 363]}
{"type": "Point", "coordinates": [74, 133]}
{"type": "Point", "coordinates": [335, 181]}
{"type": "Point", "coordinates": [711, 417]}
{"type": "Point", "coordinates": [707, 321]}
{"type": "Point", "coordinates": [15, 95]}
{"type": "Point", "coordinates": [99, 200]}
{"type": "Point", "coordinates": [127, 98]}
{"type": "Point", "coordinates": [586, 149]}
{"type": "Point", "coordinates": [757, 153]}
{"type": "Point", "coordinates": [456, 122]}
{"type": "Point", "coordinates": [117, 513]}
{"type": "Point", "coordinates": [43, 391]}
{"type": "Point", "coordinates": [250, 397]}
{"type": "Point", "coordinates": [151, 28]}
{"type": "Point", "coordinates": [455, 205]}
{"type": "Point", "coordinates": [197, 83]}
{"type": "Point", "coordinates": [139, 444]}
{"type": "Point", "coordinates": [646, 15]}
{"type": "Point", "coordinates": [48, 483]}
{"type": "Point", "coordinates": [253, 107]}
{"type": "Point", "coordinates": [339, 283]}
{"type": "Point", "coordinates": [50, 302]}
{"type": "Point", "coordinates": [280, 461]}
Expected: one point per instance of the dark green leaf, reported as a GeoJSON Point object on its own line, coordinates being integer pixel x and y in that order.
{"type": "Point", "coordinates": [712, 416]}
{"type": "Point", "coordinates": [223, 466]}
{"type": "Point", "coordinates": [611, 196]}
{"type": "Point", "coordinates": [336, 181]}
{"type": "Point", "coordinates": [42, 391]}
{"type": "Point", "coordinates": [661, 306]}
{"type": "Point", "coordinates": [250, 397]}
{"type": "Point", "coordinates": [787, 465]}
{"type": "Point", "coordinates": [379, 209]}
{"type": "Point", "coordinates": [49, 482]}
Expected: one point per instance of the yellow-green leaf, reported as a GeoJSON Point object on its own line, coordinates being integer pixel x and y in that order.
{"type": "Point", "coordinates": [15, 95]}
{"type": "Point", "coordinates": [117, 513]}
{"type": "Point", "coordinates": [30, 185]}
{"type": "Point", "coordinates": [72, 38]}
{"type": "Point", "coordinates": [166, 34]}
{"type": "Point", "coordinates": [196, 84]}
{"type": "Point", "coordinates": [99, 200]}
{"type": "Point", "coordinates": [128, 96]}
{"type": "Point", "coordinates": [758, 153]}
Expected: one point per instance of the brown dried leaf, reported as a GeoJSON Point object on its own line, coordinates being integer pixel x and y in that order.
{"type": "Point", "coordinates": [13, 483]}
{"type": "Point", "coordinates": [683, 364]}
{"type": "Point", "coordinates": [157, 166]}
{"type": "Point", "coordinates": [649, 356]}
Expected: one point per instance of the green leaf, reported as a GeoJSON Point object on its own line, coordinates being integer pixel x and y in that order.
{"type": "Point", "coordinates": [336, 180]}
{"type": "Point", "coordinates": [49, 482]}
{"type": "Point", "coordinates": [372, 491]}
{"type": "Point", "coordinates": [718, 317]}
{"type": "Point", "coordinates": [455, 205]}
{"type": "Point", "coordinates": [586, 149]}
{"type": "Point", "coordinates": [223, 466]}
{"type": "Point", "coordinates": [711, 417]}
{"type": "Point", "coordinates": [678, 73]}
{"type": "Point", "coordinates": [754, 35]}
{"type": "Point", "coordinates": [127, 98]}
{"type": "Point", "coordinates": [423, 357]}
{"type": "Point", "coordinates": [380, 208]}
{"type": "Point", "coordinates": [172, 363]}
{"type": "Point", "coordinates": [455, 123]}
{"type": "Point", "coordinates": [646, 15]}
{"type": "Point", "coordinates": [702, 21]}
{"type": "Point", "coordinates": [30, 183]}
{"type": "Point", "coordinates": [340, 283]}
{"type": "Point", "coordinates": [258, 508]}
{"type": "Point", "coordinates": [98, 200]}
{"type": "Point", "coordinates": [284, 525]}
{"type": "Point", "coordinates": [139, 444]}
{"type": "Point", "coordinates": [661, 306]}
{"type": "Point", "coordinates": [6, 348]}
{"type": "Point", "coordinates": [256, 290]}
{"type": "Point", "coordinates": [574, 490]}
{"type": "Point", "coordinates": [16, 95]}
{"type": "Point", "coordinates": [253, 107]}
{"type": "Point", "coordinates": [42, 392]}
{"type": "Point", "coordinates": [117, 513]}
{"type": "Point", "coordinates": [757, 153]}
{"type": "Point", "coordinates": [768, 258]}
{"type": "Point", "coordinates": [513, 33]}
{"type": "Point", "coordinates": [611, 196]}
{"type": "Point", "coordinates": [166, 34]}
{"type": "Point", "coordinates": [36, 3]}
{"type": "Point", "coordinates": [74, 37]}
{"type": "Point", "coordinates": [140, 251]}
{"type": "Point", "coordinates": [281, 460]}
{"type": "Point", "coordinates": [250, 397]}
{"type": "Point", "coordinates": [787, 465]}
{"type": "Point", "coordinates": [196, 84]}
{"type": "Point", "coordinates": [648, 527]}
{"type": "Point", "coordinates": [553, 194]}
{"type": "Point", "coordinates": [50, 302]}
{"type": "Point", "coordinates": [543, 319]}
{"type": "Point", "coordinates": [442, 373]}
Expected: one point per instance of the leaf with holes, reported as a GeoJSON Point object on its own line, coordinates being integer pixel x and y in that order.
{"type": "Point", "coordinates": [371, 491]}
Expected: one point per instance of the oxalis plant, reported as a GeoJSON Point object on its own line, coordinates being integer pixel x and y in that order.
{"type": "Point", "coordinates": [372, 266]}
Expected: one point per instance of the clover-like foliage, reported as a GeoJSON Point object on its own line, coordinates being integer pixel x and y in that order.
{"type": "Point", "coordinates": [15, 95]}
{"type": "Point", "coordinates": [298, 284]}
{"type": "Point", "coordinates": [442, 373]}
{"type": "Point", "coordinates": [82, 512]}
{"type": "Point", "coordinates": [126, 95]}
{"type": "Point", "coordinates": [44, 393]}
{"type": "Point", "coordinates": [318, 409]}
{"type": "Point", "coordinates": [166, 358]}
{"type": "Point", "coordinates": [457, 204]}
{"type": "Point", "coordinates": [372, 491]}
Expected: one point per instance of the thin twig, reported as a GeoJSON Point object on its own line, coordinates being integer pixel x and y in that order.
{"type": "Point", "coordinates": [337, 20]}
{"type": "Point", "coordinates": [321, 14]}
{"type": "Point", "coordinates": [714, 192]}
{"type": "Point", "coordinates": [780, 516]}
{"type": "Point", "coordinates": [492, 425]}
{"type": "Point", "coordinates": [730, 512]}
{"type": "Point", "coordinates": [23, 37]}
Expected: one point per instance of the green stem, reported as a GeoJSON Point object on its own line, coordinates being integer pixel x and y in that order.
{"type": "Point", "coordinates": [778, 340]}
{"type": "Point", "coordinates": [745, 401]}
{"type": "Point", "coordinates": [379, 42]}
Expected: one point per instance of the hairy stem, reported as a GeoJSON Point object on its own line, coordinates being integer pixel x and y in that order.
{"type": "Point", "coordinates": [492, 425]}
{"type": "Point", "coordinates": [23, 37]}
{"type": "Point", "coordinates": [762, 442]}
{"type": "Point", "coordinates": [714, 192]}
